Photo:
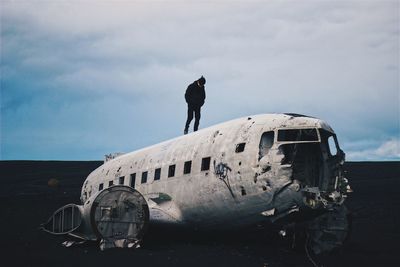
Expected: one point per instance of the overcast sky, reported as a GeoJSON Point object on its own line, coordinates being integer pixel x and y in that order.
{"type": "Point", "coordinates": [80, 79]}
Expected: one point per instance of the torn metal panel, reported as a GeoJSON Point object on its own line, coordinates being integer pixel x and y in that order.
{"type": "Point", "coordinates": [329, 231]}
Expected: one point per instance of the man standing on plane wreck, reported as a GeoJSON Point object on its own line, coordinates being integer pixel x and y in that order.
{"type": "Point", "coordinates": [195, 96]}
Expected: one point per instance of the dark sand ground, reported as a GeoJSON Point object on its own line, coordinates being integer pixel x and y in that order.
{"type": "Point", "coordinates": [27, 201]}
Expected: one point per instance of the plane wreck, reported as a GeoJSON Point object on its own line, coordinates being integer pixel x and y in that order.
{"type": "Point", "coordinates": [282, 168]}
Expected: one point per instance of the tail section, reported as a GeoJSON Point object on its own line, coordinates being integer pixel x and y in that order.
{"type": "Point", "coordinates": [117, 216]}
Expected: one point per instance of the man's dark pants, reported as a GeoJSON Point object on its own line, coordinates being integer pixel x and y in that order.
{"type": "Point", "coordinates": [196, 110]}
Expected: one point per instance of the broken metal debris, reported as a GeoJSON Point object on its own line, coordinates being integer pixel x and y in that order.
{"type": "Point", "coordinates": [329, 231]}
{"type": "Point", "coordinates": [270, 212]}
{"type": "Point", "coordinates": [282, 233]}
{"type": "Point", "coordinates": [71, 243]}
{"type": "Point", "coordinates": [119, 243]}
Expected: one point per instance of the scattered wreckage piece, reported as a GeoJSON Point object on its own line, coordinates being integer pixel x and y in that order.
{"type": "Point", "coordinates": [281, 168]}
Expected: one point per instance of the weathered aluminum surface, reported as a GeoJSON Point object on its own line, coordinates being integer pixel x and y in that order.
{"type": "Point", "coordinates": [237, 188]}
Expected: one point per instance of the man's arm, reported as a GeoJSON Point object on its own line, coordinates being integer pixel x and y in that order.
{"type": "Point", "coordinates": [187, 95]}
{"type": "Point", "coordinates": [203, 96]}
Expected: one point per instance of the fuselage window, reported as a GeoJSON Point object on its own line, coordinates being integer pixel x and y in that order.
{"type": "Point", "coordinates": [266, 142]}
{"type": "Point", "coordinates": [171, 171]}
{"type": "Point", "coordinates": [240, 147]}
{"type": "Point", "coordinates": [110, 183]}
{"type": "Point", "coordinates": [187, 168]}
{"type": "Point", "coordinates": [121, 180]}
{"type": "Point", "coordinates": [157, 174]}
{"type": "Point", "coordinates": [144, 177]}
{"type": "Point", "coordinates": [205, 164]}
{"type": "Point", "coordinates": [133, 180]}
{"type": "Point", "coordinates": [101, 186]}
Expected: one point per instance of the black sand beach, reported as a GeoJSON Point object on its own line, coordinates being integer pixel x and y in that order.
{"type": "Point", "coordinates": [27, 201]}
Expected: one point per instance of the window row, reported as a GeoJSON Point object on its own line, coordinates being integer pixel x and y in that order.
{"type": "Point", "coordinates": [187, 168]}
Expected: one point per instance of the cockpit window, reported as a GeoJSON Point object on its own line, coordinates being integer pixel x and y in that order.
{"type": "Point", "coordinates": [329, 141]}
{"type": "Point", "coordinates": [332, 146]}
{"type": "Point", "coordinates": [266, 142]}
{"type": "Point", "coordinates": [298, 135]}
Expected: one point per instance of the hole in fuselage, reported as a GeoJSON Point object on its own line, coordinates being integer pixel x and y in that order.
{"type": "Point", "coordinates": [306, 161]}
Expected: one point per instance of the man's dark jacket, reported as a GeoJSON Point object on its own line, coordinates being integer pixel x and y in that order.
{"type": "Point", "coordinates": [195, 95]}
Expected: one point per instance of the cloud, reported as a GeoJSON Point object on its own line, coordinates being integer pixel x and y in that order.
{"type": "Point", "coordinates": [130, 62]}
{"type": "Point", "coordinates": [389, 150]}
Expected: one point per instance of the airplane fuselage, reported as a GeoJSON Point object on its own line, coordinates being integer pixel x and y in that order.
{"type": "Point", "coordinates": [235, 173]}
{"type": "Point", "coordinates": [280, 168]}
